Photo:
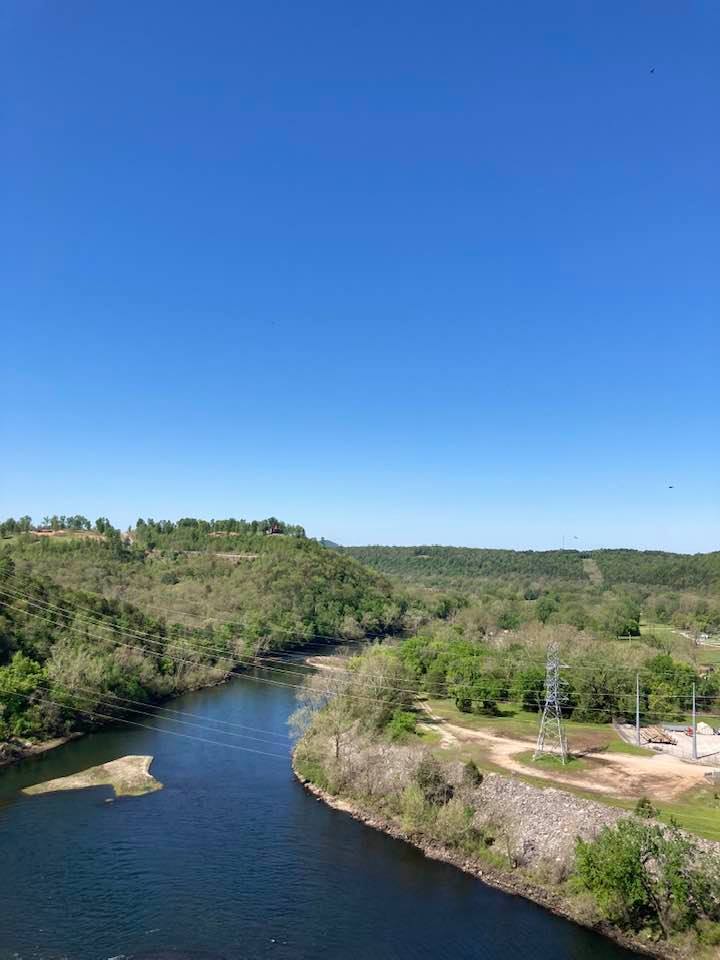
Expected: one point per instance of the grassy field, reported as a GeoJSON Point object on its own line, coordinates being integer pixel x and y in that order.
{"type": "Point", "coordinates": [551, 762]}
{"type": "Point", "coordinates": [697, 811]}
{"type": "Point", "coordinates": [709, 655]}
{"type": "Point", "coordinates": [662, 631]}
{"type": "Point", "coordinates": [520, 724]}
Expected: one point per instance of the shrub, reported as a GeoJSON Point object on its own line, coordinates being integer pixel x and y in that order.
{"type": "Point", "coordinates": [645, 809]}
{"type": "Point", "coordinates": [454, 825]}
{"type": "Point", "coordinates": [471, 775]}
{"type": "Point", "coordinates": [708, 932]}
{"type": "Point", "coordinates": [415, 812]}
{"type": "Point", "coordinates": [402, 724]}
{"type": "Point", "coordinates": [431, 780]}
{"type": "Point", "coordinates": [642, 875]}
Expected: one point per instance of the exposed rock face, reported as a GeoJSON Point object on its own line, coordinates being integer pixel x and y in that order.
{"type": "Point", "coordinates": [542, 823]}
{"type": "Point", "coordinates": [535, 827]}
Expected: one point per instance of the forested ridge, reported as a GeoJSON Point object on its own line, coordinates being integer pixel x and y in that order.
{"type": "Point", "coordinates": [645, 567]}
{"type": "Point", "coordinates": [427, 561]}
{"type": "Point", "coordinates": [150, 614]}
{"type": "Point", "coordinates": [66, 655]}
{"type": "Point", "coordinates": [656, 567]}
{"type": "Point", "coordinates": [211, 594]}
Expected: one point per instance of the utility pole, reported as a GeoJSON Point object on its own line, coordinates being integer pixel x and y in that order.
{"type": "Point", "coordinates": [694, 735]}
{"type": "Point", "coordinates": [551, 737]}
{"type": "Point", "coordinates": [637, 708]}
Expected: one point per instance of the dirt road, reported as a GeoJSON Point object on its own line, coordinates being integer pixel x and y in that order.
{"type": "Point", "coordinates": [614, 774]}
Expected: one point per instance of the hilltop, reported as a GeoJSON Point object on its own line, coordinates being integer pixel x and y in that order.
{"type": "Point", "coordinates": [264, 579]}
{"type": "Point", "coordinates": [89, 616]}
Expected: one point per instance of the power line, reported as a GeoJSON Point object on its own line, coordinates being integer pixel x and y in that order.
{"type": "Point", "coordinates": [250, 659]}
{"type": "Point", "coordinates": [160, 653]}
{"type": "Point", "coordinates": [136, 646]}
{"type": "Point", "coordinates": [162, 642]}
{"type": "Point", "coordinates": [172, 733]}
{"type": "Point", "coordinates": [338, 639]}
{"type": "Point", "coordinates": [101, 699]}
{"type": "Point", "coordinates": [486, 700]}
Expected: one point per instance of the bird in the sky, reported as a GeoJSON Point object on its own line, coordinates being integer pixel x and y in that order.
{"type": "Point", "coordinates": [652, 70]}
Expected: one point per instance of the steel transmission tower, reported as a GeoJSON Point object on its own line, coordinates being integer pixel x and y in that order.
{"type": "Point", "coordinates": [551, 738]}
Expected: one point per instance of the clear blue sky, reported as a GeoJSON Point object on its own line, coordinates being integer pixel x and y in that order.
{"type": "Point", "coordinates": [401, 272]}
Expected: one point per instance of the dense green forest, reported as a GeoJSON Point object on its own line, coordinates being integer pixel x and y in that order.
{"type": "Point", "coordinates": [656, 568]}
{"type": "Point", "coordinates": [608, 592]}
{"type": "Point", "coordinates": [645, 567]}
{"type": "Point", "coordinates": [476, 622]}
{"type": "Point", "coordinates": [428, 562]}
{"type": "Point", "coordinates": [162, 611]}
{"type": "Point", "coordinates": [67, 655]}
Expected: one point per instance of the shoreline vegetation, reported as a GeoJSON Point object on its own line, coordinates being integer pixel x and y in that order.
{"type": "Point", "coordinates": [98, 626]}
{"type": "Point", "coordinates": [487, 873]}
{"type": "Point", "coordinates": [550, 885]}
{"type": "Point", "coordinates": [616, 870]}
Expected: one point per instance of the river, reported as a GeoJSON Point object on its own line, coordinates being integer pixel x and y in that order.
{"type": "Point", "coordinates": [234, 859]}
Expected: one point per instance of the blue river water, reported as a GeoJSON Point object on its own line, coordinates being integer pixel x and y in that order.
{"type": "Point", "coordinates": [234, 859]}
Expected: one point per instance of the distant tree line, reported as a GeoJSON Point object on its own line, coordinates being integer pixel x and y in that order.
{"type": "Point", "coordinates": [411, 562]}
{"type": "Point", "coordinates": [677, 570]}
{"type": "Point", "coordinates": [12, 527]}
{"type": "Point", "coordinates": [599, 687]}
{"type": "Point", "coordinates": [192, 534]}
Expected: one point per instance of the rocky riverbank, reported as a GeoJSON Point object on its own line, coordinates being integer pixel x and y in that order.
{"type": "Point", "coordinates": [549, 836]}
{"type": "Point", "coordinates": [14, 750]}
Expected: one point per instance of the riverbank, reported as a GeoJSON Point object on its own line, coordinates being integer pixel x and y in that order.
{"type": "Point", "coordinates": [15, 750]}
{"type": "Point", "coordinates": [550, 895]}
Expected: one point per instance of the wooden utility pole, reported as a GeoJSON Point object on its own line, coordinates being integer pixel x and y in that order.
{"type": "Point", "coordinates": [637, 708]}
{"type": "Point", "coordinates": [694, 732]}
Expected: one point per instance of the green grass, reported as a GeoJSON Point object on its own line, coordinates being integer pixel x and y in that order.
{"type": "Point", "coordinates": [663, 631]}
{"type": "Point", "coordinates": [709, 655]}
{"type": "Point", "coordinates": [511, 720]}
{"type": "Point", "coordinates": [431, 737]}
{"type": "Point", "coordinates": [552, 761]}
{"type": "Point", "coordinates": [622, 746]}
{"type": "Point", "coordinates": [313, 771]}
{"type": "Point", "coordinates": [698, 811]}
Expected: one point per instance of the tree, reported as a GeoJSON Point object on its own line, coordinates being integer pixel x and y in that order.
{"type": "Point", "coordinates": [475, 684]}
{"type": "Point", "coordinates": [545, 607]}
{"type": "Point", "coordinates": [323, 706]}
{"type": "Point", "coordinates": [18, 680]}
{"type": "Point", "coordinates": [645, 875]}
{"type": "Point", "coordinates": [529, 687]}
